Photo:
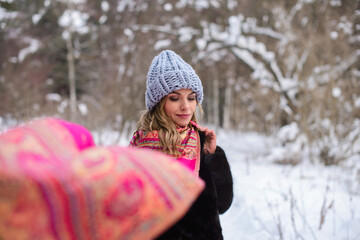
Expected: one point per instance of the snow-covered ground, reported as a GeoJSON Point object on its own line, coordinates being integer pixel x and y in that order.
{"type": "Point", "coordinates": [275, 201]}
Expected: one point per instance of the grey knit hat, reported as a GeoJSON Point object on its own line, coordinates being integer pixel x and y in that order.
{"type": "Point", "coordinates": [169, 72]}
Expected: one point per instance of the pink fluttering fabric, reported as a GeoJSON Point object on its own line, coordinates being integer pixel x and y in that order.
{"type": "Point", "coordinates": [46, 143]}
{"type": "Point", "coordinates": [56, 184]}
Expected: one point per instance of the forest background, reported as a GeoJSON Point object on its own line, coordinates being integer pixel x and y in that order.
{"type": "Point", "coordinates": [264, 65]}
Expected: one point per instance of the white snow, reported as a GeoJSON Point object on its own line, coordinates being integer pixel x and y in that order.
{"type": "Point", "coordinates": [74, 21]}
{"type": "Point", "coordinates": [37, 17]}
{"type": "Point", "coordinates": [336, 92]}
{"type": "Point", "coordinates": [83, 109]}
{"type": "Point", "coordinates": [34, 45]}
{"type": "Point", "coordinates": [168, 7]}
{"type": "Point", "coordinates": [53, 97]}
{"type": "Point", "coordinates": [201, 4]}
{"type": "Point", "coordinates": [7, 15]}
{"type": "Point", "coordinates": [128, 32]}
{"type": "Point", "coordinates": [335, 3]}
{"type": "Point", "coordinates": [102, 19]}
{"type": "Point", "coordinates": [357, 102]}
{"type": "Point", "coordinates": [161, 44]}
{"type": "Point", "coordinates": [62, 106]}
{"type": "Point", "coordinates": [181, 3]}
{"type": "Point", "coordinates": [47, 3]}
{"type": "Point", "coordinates": [105, 6]}
{"type": "Point", "coordinates": [286, 202]}
{"type": "Point", "coordinates": [186, 33]}
{"type": "Point", "coordinates": [131, 6]}
{"type": "Point", "coordinates": [201, 43]}
{"type": "Point", "coordinates": [74, 1]}
{"type": "Point", "coordinates": [334, 35]}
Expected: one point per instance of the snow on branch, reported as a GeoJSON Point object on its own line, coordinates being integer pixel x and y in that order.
{"type": "Point", "coordinates": [323, 74]}
{"type": "Point", "coordinates": [74, 21]}
{"type": "Point", "coordinates": [4, 14]}
{"type": "Point", "coordinates": [184, 34]}
{"type": "Point", "coordinates": [255, 55]}
{"type": "Point", "coordinates": [249, 25]}
{"type": "Point", "coordinates": [34, 45]}
{"type": "Point", "coordinates": [298, 6]}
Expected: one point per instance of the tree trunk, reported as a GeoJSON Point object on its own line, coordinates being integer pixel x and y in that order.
{"type": "Point", "coordinates": [216, 102]}
{"type": "Point", "coordinates": [227, 105]}
{"type": "Point", "coordinates": [71, 76]}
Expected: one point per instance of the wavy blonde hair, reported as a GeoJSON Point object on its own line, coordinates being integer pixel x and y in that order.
{"type": "Point", "coordinates": [156, 119]}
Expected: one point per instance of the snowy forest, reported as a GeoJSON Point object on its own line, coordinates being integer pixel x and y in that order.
{"type": "Point", "coordinates": [288, 69]}
{"type": "Point", "coordinates": [264, 64]}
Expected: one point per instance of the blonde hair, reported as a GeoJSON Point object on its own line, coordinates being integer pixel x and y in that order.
{"type": "Point", "coordinates": [156, 119]}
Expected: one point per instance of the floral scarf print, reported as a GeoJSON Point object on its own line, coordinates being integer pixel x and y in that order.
{"type": "Point", "coordinates": [189, 147]}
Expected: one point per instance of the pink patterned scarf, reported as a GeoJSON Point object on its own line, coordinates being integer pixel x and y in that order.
{"type": "Point", "coordinates": [56, 184]}
{"type": "Point", "coordinates": [189, 147]}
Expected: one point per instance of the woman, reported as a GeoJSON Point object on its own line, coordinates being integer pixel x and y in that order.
{"type": "Point", "coordinates": [169, 125]}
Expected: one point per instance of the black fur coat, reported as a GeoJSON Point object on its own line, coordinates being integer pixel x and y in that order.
{"type": "Point", "coordinates": [201, 222]}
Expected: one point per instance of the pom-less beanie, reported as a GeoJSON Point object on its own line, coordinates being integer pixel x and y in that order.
{"type": "Point", "coordinates": [169, 72]}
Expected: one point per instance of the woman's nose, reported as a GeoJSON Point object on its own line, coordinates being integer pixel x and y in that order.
{"type": "Point", "coordinates": [184, 105]}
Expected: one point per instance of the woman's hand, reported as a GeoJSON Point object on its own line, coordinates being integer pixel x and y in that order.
{"type": "Point", "coordinates": [210, 140]}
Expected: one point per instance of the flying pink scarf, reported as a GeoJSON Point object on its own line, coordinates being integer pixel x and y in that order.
{"type": "Point", "coordinates": [189, 147]}
{"type": "Point", "coordinates": [56, 184]}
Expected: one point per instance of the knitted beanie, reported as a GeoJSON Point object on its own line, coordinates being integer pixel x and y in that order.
{"type": "Point", "coordinates": [169, 72]}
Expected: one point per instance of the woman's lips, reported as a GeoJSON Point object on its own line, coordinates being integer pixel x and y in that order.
{"type": "Point", "coordinates": [184, 116]}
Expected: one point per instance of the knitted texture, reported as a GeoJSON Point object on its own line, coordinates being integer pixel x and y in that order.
{"type": "Point", "coordinates": [169, 72]}
{"type": "Point", "coordinates": [56, 184]}
{"type": "Point", "coordinates": [189, 147]}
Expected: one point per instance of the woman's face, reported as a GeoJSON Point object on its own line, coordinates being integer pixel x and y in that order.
{"type": "Point", "coordinates": [180, 106]}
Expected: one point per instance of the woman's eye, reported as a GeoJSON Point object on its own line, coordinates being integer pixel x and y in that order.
{"type": "Point", "coordinates": [173, 99]}
{"type": "Point", "coordinates": [191, 99]}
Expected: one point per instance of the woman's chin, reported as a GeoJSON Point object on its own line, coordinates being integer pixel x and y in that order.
{"type": "Point", "coordinates": [182, 123]}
